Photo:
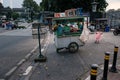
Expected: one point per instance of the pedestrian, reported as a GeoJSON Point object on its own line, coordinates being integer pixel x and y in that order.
{"type": "Point", "coordinates": [4, 24]}
{"type": "Point", "coordinates": [7, 25]}
{"type": "Point", "coordinates": [98, 36]}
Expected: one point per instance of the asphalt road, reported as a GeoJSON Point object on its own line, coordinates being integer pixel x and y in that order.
{"type": "Point", "coordinates": [66, 66]}
{"type": "Point", "coordinates": [14, 46]}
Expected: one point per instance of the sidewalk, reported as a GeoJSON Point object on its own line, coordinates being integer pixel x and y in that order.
{"type": "Point", "coordinates": [110, 76]}
{"type": "Point", "coordinates": [114, 76]}
{"type": "Point", "coordinates": [3, 30]}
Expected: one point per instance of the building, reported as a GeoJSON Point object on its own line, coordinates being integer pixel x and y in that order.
{"type": "Point", "coordinates": [18, 10]}
{"type": "Point", "coordinates": [113, 17]}
{"type": "Point", "coordinates": [45, 16]}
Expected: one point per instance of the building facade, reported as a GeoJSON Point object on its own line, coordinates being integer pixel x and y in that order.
{"type": "Point", "coordinates": [113, 17]}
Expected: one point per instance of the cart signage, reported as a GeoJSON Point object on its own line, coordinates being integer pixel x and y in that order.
{"type": "Point", "coordinates": [59, 15]}
{"type": "Point", "coordinates": [71, 13]}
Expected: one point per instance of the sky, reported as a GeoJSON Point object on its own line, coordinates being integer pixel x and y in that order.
{"type": "Point", "coordinates": [15, 3]}
{"type": "Point", "coordinates": [113, 4]}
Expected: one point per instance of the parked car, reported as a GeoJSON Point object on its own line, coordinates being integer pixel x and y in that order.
{"type": "Point", "coordinates": [16, 26]}
{"type": "Point", "coordinates": [116, 31]}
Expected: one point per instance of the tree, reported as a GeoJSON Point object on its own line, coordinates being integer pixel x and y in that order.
{"type": "Point", "coordinates": [8, 12]}
{"type": "Point", "coordinates": [15, 15]}
{"type": "Point", "coordinates": [62, 5]}
{"type": "Point", "coordinates": [31, 7]}
{"type": "Point", "coordinates": [102, 5]}
{"type": "Point", "coordinates": [1, 6]}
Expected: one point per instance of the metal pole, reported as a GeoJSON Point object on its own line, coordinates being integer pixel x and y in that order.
{"type": "Point", "coordinates": [39, 40]}
{"type": "Point", "coordinates": [93, 72]}
{"type": "Point", "coordinates": [40, 58]}
{"type": "Point", "coordinates": [106, 62]}
{"type": "Point", "coordinates": [113, 68]}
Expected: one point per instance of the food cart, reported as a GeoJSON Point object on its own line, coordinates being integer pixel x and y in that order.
{"type": "Point", "coordinates": [67, 31]}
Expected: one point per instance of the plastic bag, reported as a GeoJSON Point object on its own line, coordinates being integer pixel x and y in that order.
{"type": "Point", "coordinates": [84, 35]}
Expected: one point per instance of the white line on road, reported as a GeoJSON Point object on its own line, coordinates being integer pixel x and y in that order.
{"type": "Point", "coordinates": [42, 49]}
{"type": "Point", "coordinates": [11, 71]}
{"type": "Point", "coordinates": [28, 70]}
{"type": "Point", "coordinates": [88, 78]}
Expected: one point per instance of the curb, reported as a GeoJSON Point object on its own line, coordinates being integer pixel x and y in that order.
{"type": "Point", "coordinates": [27, 74]}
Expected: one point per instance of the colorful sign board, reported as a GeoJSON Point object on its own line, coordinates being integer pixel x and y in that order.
{"type": "Point", "coordinates": [59, 15]}
{"type": "Point", "coordinates": [71, 13]}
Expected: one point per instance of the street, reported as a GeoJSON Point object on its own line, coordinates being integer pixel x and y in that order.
{"type": "Point", "coordinates": [14, 46]}
{"type": "Point", "coordinates": [66, 66]}
{"type": "Point", "coordinates": [59, 40]}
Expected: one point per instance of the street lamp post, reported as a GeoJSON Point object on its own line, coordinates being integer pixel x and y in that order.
{"type": "Point", "coordinates": [94, 6]}
{"type": "Point", "coordinates": [94, 9]}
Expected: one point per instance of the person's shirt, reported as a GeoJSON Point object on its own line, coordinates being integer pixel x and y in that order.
{"type": "Point", "coordinates": [80, 27]}
{"type": "Point", "coordinates": [60, 30]}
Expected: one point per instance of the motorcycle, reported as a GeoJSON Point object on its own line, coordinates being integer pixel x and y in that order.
{"type": "Point", "coordinates": [116, 31]}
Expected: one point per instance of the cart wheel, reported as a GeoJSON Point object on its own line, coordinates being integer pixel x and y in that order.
{"type": "Point", "coordinates": [73, 47]}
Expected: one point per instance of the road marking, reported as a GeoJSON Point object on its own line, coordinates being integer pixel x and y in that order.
{"type": "Point", "coordinates": [19, 63]}
{"type": "Point", "coordinates": [88, 78]}
{"type": "Point", "coordinates": [42, 49]}
{"type": "Point", "coordinates": [11, 71]}
{"type": "Point", "coordinates": [45, 45]}
{"type": "Point", "coordinates": [28, 70]}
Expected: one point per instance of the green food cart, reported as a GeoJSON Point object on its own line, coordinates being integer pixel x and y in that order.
{"type": "Point", "coordinates": [67, 31]}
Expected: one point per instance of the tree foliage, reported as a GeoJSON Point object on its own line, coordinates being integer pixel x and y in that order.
{"type": "Point", "coordinates": [32, 7]}
{"type": "Point", "coordinates": [1, 6]}
{"type": "Point", "coordinates": [8, 12]}
{"type": "Point", "coordinates": [15, 15]}
{"type": "Point", "coordinates": [30, 4]}
{"type": "Point", "coordinates": [62, 5]}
